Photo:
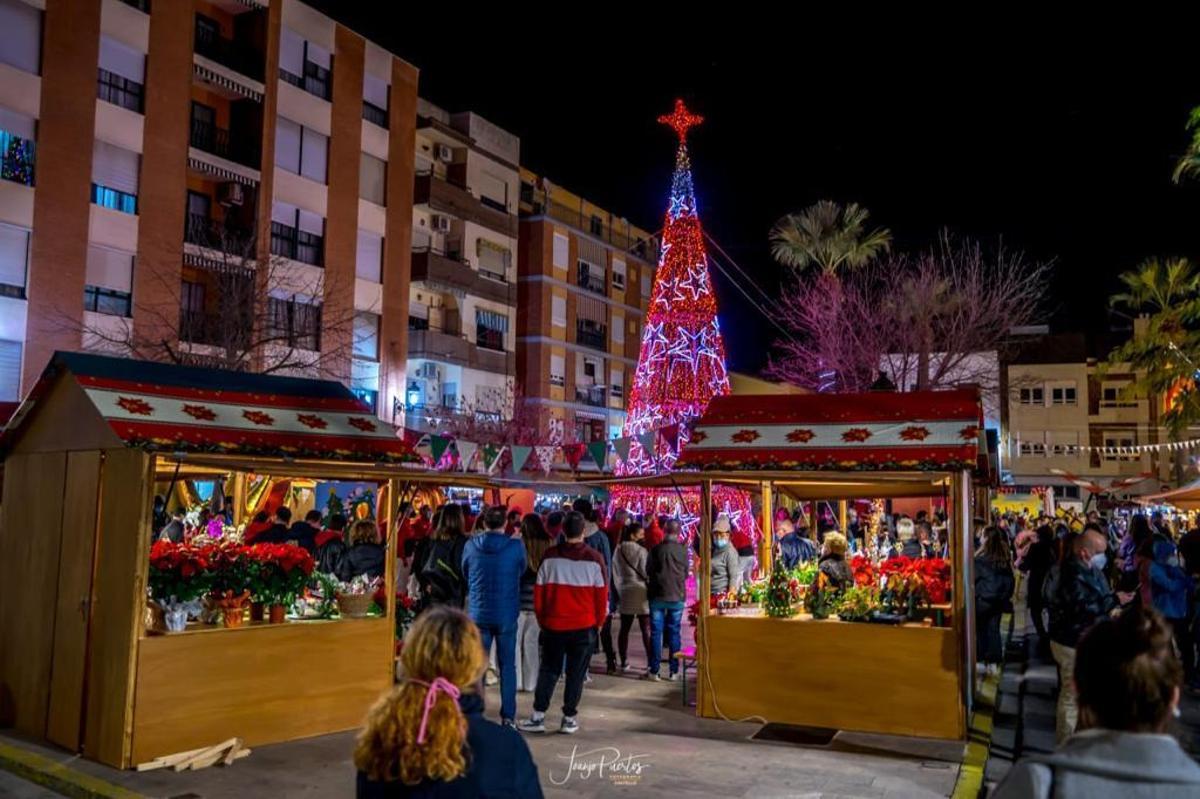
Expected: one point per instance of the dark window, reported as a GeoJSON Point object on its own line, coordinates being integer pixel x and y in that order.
{"type": "Point", "coordinates": [597, 226]}
{"type": "Point", "coordinates": [296, 323]}
{"type": "Point", "coordinates": [107, 301]}
{"type": "Point", "coordinates": [208, 30]}
{"type": "Point", "coordinates": [140, 5]}
{"type": "Point", "coordinates": [16, 158]}
{"type": "Point", "coordinates": [112, 88]}
{"type": "Point", "coordinates": [373, 113]}
{"type": "Point", "coordinates": [299, 245]}
{"type": "Point", "coordinates": [111, 198]}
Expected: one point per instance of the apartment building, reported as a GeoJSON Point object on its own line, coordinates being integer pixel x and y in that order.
{"type": "Point", "coordinates": [462, 339]}
{"type": "Point", "coordinates": [1063, 414]}
{"type": "Point", "coordinates": [585, 283]}
{"type": "Point", "coordinates": [172, 165]}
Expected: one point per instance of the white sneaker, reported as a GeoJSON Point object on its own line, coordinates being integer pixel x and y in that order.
{"type": "Point", "coordinates": [569, 726]}
{"type": "Point", "coordinates": [673, 676]}
{"type": "Point", "coordinates": [587, 677]}
{"type": "Point", "coordinates": [532, 724]}
{"type": "Point", "coordinates": [652, 677]}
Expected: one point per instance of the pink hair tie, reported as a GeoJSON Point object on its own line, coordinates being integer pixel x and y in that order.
{"type": "Point", "coordinates": [438, 684]}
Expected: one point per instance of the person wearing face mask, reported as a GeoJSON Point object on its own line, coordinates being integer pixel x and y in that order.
{"type": "Point", "coordinates": [1078, 595]}
{"type": "Point", "coordinates": [724, 558]}
{"type": "Point", "coordinates": [1165, 586]}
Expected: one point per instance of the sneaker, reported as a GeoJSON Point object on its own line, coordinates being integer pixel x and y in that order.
{"type": "Point", "coordinates": [652, 677]}
{"type": "Point", "coordinates": [569, 726]}
{"type": "Point", "coordinates": [673, 676]}
{"type": "Point", "coordinates": [491, 678]}
{"type": "Point", "coordinates": [509, 723]}
{"type": "Point", "coordinates": [532, 724]}
{"type": "Point", "coordinates": [587, 677]}
{"type": "Point", "coordinates": [625, 668]}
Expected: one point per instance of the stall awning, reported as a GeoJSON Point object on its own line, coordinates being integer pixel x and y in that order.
{"type": "Point", "coordinates": [171, 408]}
{"type": "Point", "coordinates": [1185, 497]}
{"type": "Point", "coordinates": [919, 430]}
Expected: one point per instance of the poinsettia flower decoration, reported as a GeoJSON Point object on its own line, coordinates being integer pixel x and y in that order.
{"type": "Point", "coordinates": [135, 405]}
{"type": "Point", "coordinates": [364, 425]}
{"type": "Point", "coordinates": [856, 435]}
{"type": "Point", "coordinates": [201, 413]}
{"type": "Point", "coordinates": [745, 436]}
{"type": "Point", "coordinates": [914, 432]}
{"type": "Point", "coordinates": [259, 418]}
{"type": "Point", "coordinates": [801, 436]}
{"type": "Point", "coordinates": [311, 420]}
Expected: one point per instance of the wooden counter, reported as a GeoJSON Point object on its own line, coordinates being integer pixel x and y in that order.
{"type": "Point", "coordinates": [839, 675]}
{"type": "Point", "coordinates": [265, 683]}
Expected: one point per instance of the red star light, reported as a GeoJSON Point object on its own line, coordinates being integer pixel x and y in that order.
{"type": "Point", "coordinates": [680, 120]}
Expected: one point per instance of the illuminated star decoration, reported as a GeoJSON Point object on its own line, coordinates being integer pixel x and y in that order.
{"type": "Point", "coordinates": [681, 364]}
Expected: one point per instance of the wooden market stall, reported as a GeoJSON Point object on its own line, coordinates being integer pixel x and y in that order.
{"type": "Point", "coordinates": [906, 679]}
{"type": "Point", "coordinates": [78, 666]}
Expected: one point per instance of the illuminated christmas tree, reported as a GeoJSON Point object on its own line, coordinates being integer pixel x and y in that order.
{"type": "Point", "coordinates": [681, 365]}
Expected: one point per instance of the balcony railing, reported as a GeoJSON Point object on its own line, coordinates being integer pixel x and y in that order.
{"type": "Point", "coordinates": [375, 114]}
{"type": "Point", "coordinates": [218, 141]}
{"type": "Point", "coordinates": [594, 337]}
{"type": "Point", "coordinates": [17, 155]}
{"type": "Point", "coordinates": [454, 198]}
{"type": "Point", "coordinates": [198, 327]}
{"type": "Point", "coordinates": [436, 345]}
{"type": "Point", "coordinates": [238, 57]}
{"type": "Point", "coordinates": [215, 235]}
{"type": "Point", "coordinates": [316, 80]}
{"type": "Point", "coordinates": [112, 88]}
{"type": "Point", "coordinates": [489, 339]}
{"type": "Point", "coordinates": [585, 279]}
{"type": "Point", "coordinates": [299, 245]}
{"type": "Point", "coordinates": [642, 247]}
{"type": "Point", "coordinates": [590, 395]}
{"type": "Point", "coordinates": [435, 266]}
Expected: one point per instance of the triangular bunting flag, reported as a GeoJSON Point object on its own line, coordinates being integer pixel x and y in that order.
{"type": "Point", "coordinates": [648, 440]}
{"type": "Point", "coordinates": [545, 457]}
{"type": "Point", "coordinates": [412, 437]}
{"type": "Point", "coordinates": [466, 453]}
{"type": "Point", "coordinates": [598, 450]}
{"type": "Point", "coordinates": [491, 457]}
{"type": "Point", "coordinates": [520, 455]}
{"type": "Point", "coordinates": [437, 448]}
{"type": "Point", "coordinates": [621, 447]}
{"type": "Point", "coordinates": [670, 435]}
{"type": "Point", "coordinates": [573, 454]}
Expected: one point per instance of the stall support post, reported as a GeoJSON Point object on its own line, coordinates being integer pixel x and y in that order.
{"type": "Point", "coordinates": [768, 530]}
{"type": "Point", "coordinates": [704, 571]}
{"type": "Point", "coordinates": [963, 563]}
{"type": "Point", "coordinates": [842, 518]}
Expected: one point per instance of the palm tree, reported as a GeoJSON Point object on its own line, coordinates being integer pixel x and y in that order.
{"type": "Point", "coordinates": [828, 236]}
{"type": "Point", "coordinates": [1189, 164]}
{"type": "Point", "coordinates": [1158, 285]}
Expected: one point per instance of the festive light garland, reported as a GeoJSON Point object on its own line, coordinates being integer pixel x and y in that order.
{"type": "Point", "coordinates": [681, 363]}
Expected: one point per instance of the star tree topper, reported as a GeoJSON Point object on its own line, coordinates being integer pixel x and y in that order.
{"type": "Point", "coordinates": [680, 120]}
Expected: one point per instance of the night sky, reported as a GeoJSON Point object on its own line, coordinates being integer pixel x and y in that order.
{"type": "Point", "coordinates": [1063, 150]}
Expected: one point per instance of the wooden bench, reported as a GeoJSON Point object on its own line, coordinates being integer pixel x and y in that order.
{"type": "Point", "coordinates": [687, 659]}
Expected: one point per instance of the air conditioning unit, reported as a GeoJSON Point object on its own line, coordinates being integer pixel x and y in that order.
{"type": "Point", "coordinates": [441, 223]}
{"type": "Point", "coordinates": [444, 153]}
{"type": "Point", "coordinates": [231, 193]}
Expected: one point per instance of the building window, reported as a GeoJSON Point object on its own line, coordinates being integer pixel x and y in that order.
{"type": "Point", "coordinates": [297, 234]}
{"type": "Point", "coordinates": [596, 226]}
{"type": "Point", "coordinates": [237, 55]}
{"type": "Point", "coordinates": [115, 177]}
{"type": "Point", "coordinates": [17, 147]}
{"type": "Point", "coordinates": [372, 179]}
{"type": "Point", "coordinates": [1062, 395]}
{"type": "Point", "coordinates": [616, 384]}
{"type": "Point", "coordinates": [1113, 395]}
{"type": "Point", "coordinates": [368, 396]}
{"type": "Point", "coordinates": [558, 371]}
{"type": "Point", "coordinates": [14, 260]}
{"type": "Point", "coordinates": [618, 329]}
{"type": "Point", "coordinates": [558, 311]}
{"type": "Point", "coordinates": [1033, 449]}
{"type": "Point", "coordinates": [121, 76]}
{"type": "Point", "coordinates": [294, 323]}
{"type": "Point", "coordinates": [301, 150]}
{"type": "Point", "coordinates": [10, 370]}
{"type": "Point", "coordinates": [493, 260]}
{"type": "Point", "coordinates": [645, 283]}
{"type": "Point", "coordinates": [1118, 448]}
{"type": "Point", "coordinates": [590, 276]}
{"type": "Point", "coordinates": [107, 301]}
{"type": "Point", "coordinates": [20, 36]}
{"type": "Point", "coordinates": [1033, 396]}
{"type": "Point", "coordinates": [368, 262]}
{"type": "Point", "coordinates": [305, 65]}
{"type": "Point", "coordinates": [490, 328]}
{"type": "Point", "coordinates": [562, 248]}
{"type": "Point", "coordinates": [109, 277]}
{"type": "Point", "coordinates": [618, 274]}
{"type": "Point", "coordinates": [366, 335]}
{"type": "Point", "coordinates": [375, 101]}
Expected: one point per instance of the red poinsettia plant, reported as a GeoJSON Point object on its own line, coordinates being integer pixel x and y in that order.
{"type": "Point", "coordinates": [865, 574]}
{"type": "Point", "coordinates": [278, 572]}
{"type": "Point", "coordinates": [229, 567]}
{"type": "Point", "coordinates": [914, 582]}
{"type": "Point", "coordinates": [178, 571]}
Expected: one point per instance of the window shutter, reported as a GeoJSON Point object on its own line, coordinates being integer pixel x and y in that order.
{"type": "Point", "coordinates": [561, 250]}
{"type": "Point", "coordinates": [115, 167]}
{"type": "Point", "coordinates": [319, 55]}
{"type": "Point", "coordinates": [283, 213]}
{"type": "Point", "coordinates": [558, 368]}
{"type": "Point", "coordinates": [287, 145]}
{"type": "Point", "coordinates": [291, 52]}
{"type": "Point", "coordinates": [366, 335]}
{"type": "Point", "coordinates": [646, 282]}
{"type": "Point", "coordinates": [375, 91]}
{"type": "Point", "coordinates": [16, 124]}
{"type": "Point", "coordinates": [372, 179]}
{"type": "Point", "coordinates": [591, 309]}
{"type": "Point", "coordinates": [369, 261]}
{"type": "Point", "coordinates": [618, 267]}
{"type": "Point", "coordinates": [312, 223]}
{"type": "Point", "coordinates": [558, 311]}
{"type": "Point", "coordinates": [14, 255]}
{"type": "Point", "coordinates": [10, 368]}
{"type": "Point", "coordinates": [618, 329]}
{"type": "Point", "coordinates": [109, 269]}
{"type": "Point", "coordinates": [122, 60]}
{"type": "Point", "coordinates": [593, 253]}
{"type": "Point", "coordinates": [314, 154]}
{"type": "Point", "coordinates": [20, 39]}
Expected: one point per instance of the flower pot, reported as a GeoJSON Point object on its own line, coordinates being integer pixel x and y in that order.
{"type": "Point", "coordinates": [354, 605]}
{"type": "Point", "coordinates": [256, 611]}
{"type": "Point", "coordinates": [278, 614]}
{"type": "Point", "coordinates": [232, 607]}
{"type": "Point", "coordinates": [175, 619]}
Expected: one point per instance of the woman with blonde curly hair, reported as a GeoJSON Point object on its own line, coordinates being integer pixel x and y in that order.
{"type": "Point", "coordinates": [428, 737]}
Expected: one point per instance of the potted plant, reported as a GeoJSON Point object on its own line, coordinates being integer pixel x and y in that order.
{"type": "Point", "coordinates": [229, 571]}
{"type": "Point", "coordinates": [178, 575]}
{"type": "Point", "coordinates": [278, 573]}
{"type": "Point", "coordinates": [858, 603]}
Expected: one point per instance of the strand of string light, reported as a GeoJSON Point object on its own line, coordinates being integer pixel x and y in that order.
{"type": "Point", "coordinates": [738, 285]}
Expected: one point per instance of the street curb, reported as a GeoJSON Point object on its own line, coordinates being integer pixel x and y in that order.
{"type": "Point", "coordinates": [59, 778]}
{"type": "Point", "coordinates": [979, 731]}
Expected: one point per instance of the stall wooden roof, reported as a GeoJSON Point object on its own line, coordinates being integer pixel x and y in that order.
{"type": "Point", "coordinates": [180, 409]}
{"type": "Point", "coordinates": [919, 431]}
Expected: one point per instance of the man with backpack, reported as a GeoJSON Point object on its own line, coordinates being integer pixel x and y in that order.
{"type": "Point", "coordinates": [492, 565]}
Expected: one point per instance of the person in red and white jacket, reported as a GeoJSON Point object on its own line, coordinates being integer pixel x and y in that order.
{"type": "Point", "coordinates": [570, 599]}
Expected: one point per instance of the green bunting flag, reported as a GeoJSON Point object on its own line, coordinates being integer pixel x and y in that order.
{"type": "Point", "coordinates": [437, 448]}
{"type": "Point", "coordinates": [647, 440]}
{"type": "Point", "coordinates": [621, 447]}
{"type": "Point", "coordinates": [598, 450]}
{"type": "Point", "coordinates": [520, 455]}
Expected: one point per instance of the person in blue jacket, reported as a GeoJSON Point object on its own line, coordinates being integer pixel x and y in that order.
{"type": "Point", "coordinates": [415, 744]}
{"type": "Point", "coordinates": [492, 565]}
{"type": "Point", "coordinates": [791, 548]}
{"type": "Point", "coordinates": [1170, 587]}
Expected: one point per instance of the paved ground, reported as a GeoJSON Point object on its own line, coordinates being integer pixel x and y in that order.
{"type": "Point", "coordinates": [13, 787]}
{"type": "Point", "coordinates": [681, 756]}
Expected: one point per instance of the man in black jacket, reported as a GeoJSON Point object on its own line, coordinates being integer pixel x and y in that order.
{"type": "Point", "coordinates": [1078, 595]}
{"type": "Point", "coordinates": [667, 591]}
